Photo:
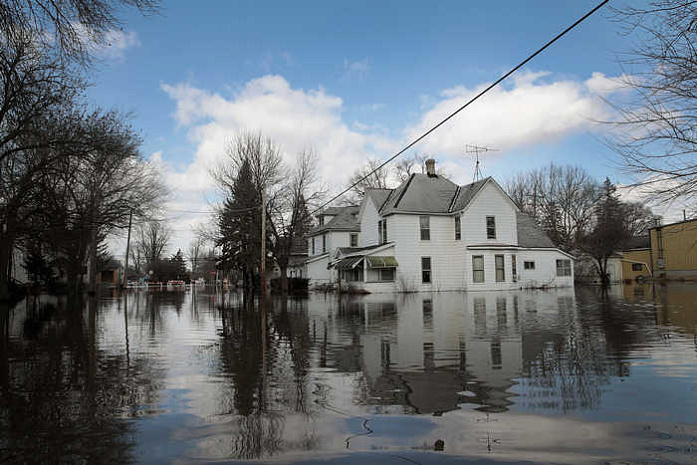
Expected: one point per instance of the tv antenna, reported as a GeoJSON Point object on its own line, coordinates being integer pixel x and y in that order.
{"type": "Point", "coordinates": [476, 150]}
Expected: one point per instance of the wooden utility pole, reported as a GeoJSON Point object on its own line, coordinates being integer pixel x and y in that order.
{"type": "Point", "coordinates": [128, 246]}
{"type": "Point", "coordinates": [263, 242]}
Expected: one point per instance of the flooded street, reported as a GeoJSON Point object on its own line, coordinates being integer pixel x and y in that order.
{"type": "Point", "coordinates": [571, 376]}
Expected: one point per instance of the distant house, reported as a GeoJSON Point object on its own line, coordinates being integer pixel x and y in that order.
{"type": "Point", "coordinates": [429, 234]}
{"type": "Point", "coordinates": [673, 251]}
{"type": "Point", "coordinates": [337, 227]}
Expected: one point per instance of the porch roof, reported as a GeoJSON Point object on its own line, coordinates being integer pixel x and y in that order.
{"type": "Point", "coordinates": [348, 263]}
{"type": "Point", "coordinates": [382, 262]}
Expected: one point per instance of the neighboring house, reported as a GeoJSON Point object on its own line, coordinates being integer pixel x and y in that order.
{"type": "Point", "coordinates": [674, 250]}
{"type": "Point", "coordinates": [636, 259]}
{"type": "Point", "coordinates": [298, 256]}
{"type": "Point", "coordinates": [109, 274]}
{"type": "Point", "coordinates": [430, 234]}
{"type": "Point", "coordinates": [337, 227]}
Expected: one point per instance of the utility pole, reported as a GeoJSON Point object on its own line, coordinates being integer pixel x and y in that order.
{"type": "Point", "coordinates": [263, 242]}
{"type": "Point", "coordinates": [128, 245]}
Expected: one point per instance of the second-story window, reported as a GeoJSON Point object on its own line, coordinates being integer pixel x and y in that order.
{"type": "Point", "coordinates": [354, 240]}
{"type": "Point", "coordinates": [321, 220]}
{"type": "Point", "coordinates": [313, 246]}
{"type": "Point", "coordinates": [425, 225]}
{"type": "Point", "coordinates": [458, 228]}
{"type": "Point", "coordinates": [490, 227]}
{"type": "Point", "coordinates": [382, 231]}
{"type": "Point", "coordinates": [324, 243]}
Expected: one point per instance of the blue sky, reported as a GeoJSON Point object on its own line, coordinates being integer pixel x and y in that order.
{"type": "Point", "coordinates": [353, 81]}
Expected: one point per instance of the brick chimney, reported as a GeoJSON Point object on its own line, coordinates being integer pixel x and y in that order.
{"type": "Point", "coordinates": [431, 167]}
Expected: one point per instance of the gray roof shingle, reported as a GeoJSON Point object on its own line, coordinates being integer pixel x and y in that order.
{"type": "Point", "coordinates": [467, 193]}
{"type": "Point", "coordinates": [379, 196]}
{"type": "Point", "coordinates": [346, 219]}
{"type": "Point", "coordinates": [421, 193]}
{"type": "Point", "coordinates": [529, 234]}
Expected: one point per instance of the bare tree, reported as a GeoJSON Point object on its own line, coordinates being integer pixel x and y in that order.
{"type": "Point", "coordinates": [152, 239]}
{"type": "Point", "coordinates": [367, 176]}
{"type": "Point", "coordinates": [656, 135]}
{"type": "Point", "coordinates": [69, 27]}
{"type": "Point", "coordinates": [196, 254]}
{"type": "Point", "coordinates": [560, 198]}
{"type": "Point", "coordinates": [290, 216]}
{"type": "Point", "coordinates": [252, 165]}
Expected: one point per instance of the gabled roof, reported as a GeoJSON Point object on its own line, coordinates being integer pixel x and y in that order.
{"type": "Point", "coordinates": [529, 234]}
{"type": "Point", "coordinates": [421, 193]}
{"type": "Point", "coordinates": [378, 196]}
{"type": "Point", "coordinates": [466, 193]}
{"type": "Point", "coordinates": [332, 211]}
{"type": "Point", "coordinates": [346, 219]}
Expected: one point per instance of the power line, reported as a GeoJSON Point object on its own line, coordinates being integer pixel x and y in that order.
{"type": "Point", "coordinates": [472, 100]}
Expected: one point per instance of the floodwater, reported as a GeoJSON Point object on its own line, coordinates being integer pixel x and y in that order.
{"type": "Point", "coordinates": [566, 376]}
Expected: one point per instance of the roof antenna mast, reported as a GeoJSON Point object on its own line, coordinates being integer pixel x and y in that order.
{"type": "Point", "coordinates": [475, 149]}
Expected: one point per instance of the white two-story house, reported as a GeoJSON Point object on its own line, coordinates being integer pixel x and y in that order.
{"type": "Point", "coordinates": [337, 227]}
{"type": "Point", "coordinates": [430, 234]}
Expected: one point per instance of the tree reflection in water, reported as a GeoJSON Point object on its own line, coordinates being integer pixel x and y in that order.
{"type": "Point", "coordinates": [268, 369]}
{"type": "Point", "coordinates": [63, 399]}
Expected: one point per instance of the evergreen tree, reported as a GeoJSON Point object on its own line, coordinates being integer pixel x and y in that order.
{"type": "Point", "coordinates": [610, 231]}
{"type": "Point", "coordinates": [240, 226]}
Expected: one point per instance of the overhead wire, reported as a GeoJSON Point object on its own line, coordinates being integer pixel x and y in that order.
{"type": "Point", "coordinates": [468, 103]}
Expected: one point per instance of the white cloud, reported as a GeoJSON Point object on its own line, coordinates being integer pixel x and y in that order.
{"type": "Point", "coordinates": [116, 42]}
{"type": "Point", "coordinates": [644, 191]}
{"type": "Point", "coordinates": [113, 44]}
{"type": "Point", "coordinates": [603, 85]}
{"type": "Point", "coordinates": [295, 119]}
{"type": "Point", "coordinates": [533, 109]}
{"type": "Point", "coordinates": [356, 69]}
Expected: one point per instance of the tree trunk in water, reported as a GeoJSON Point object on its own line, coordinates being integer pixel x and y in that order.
{"type": "Point", "coordinates": [92, 272]}
{"type": "Point", "coordinates": [284, 279]}
{"type": "Point", "coordinates": [6, 247]}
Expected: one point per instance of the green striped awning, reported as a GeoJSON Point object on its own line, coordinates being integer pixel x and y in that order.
{"type": "Point", "coordinates": [348, 263]}
{"type": "Point", "coordinates": [382, 262]}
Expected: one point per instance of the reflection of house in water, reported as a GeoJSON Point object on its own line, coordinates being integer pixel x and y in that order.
{"type": "Point", "coordinates": [430, 353]}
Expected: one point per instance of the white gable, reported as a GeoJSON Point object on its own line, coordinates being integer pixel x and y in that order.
{"type": "Point", "coordinates": [491, 200]}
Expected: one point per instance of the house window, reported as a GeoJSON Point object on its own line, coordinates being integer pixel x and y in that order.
{"type": "Point", "coordinates": [354, 240]}
{"type": "Point", "coordinates": [313, 246]}
{"type": "Point", "coordinates": [637, 266]}
{"type": "Point", "coordinates": [425, 223]}
{"type": "Point", "coordinates": [355, 274]}
{"type": "Point", "coordinates": [382, 231]}
{"type": "Point", "coordinates": [563, 267]}
{"type": "Point", "coordinates": [321, 220]}
{"type": "Point", "coordinates": [514, 268]}
{"type": "Point", "coordinates": [500, 270]}
{"type": "Point", "coordinates": [458, 228]}
{"type": "Point", "coordinates": [490, 227]}
{"type": "Point", "coordinates": [387, 274]}
{"type": "Point", "coordinates": [426, 269]}
{"type": "Point", "coordinates": [324, 243]}
{"type": "Point", "coordinates": [529, 265]}
{"type": "Point", "coordinates": [478, 268]}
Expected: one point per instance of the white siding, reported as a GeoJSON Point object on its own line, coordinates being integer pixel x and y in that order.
{"type": "Point", "coordinates": [545, 272]}
{"type": "Point", "coordinates": [490, 201]}
{"type": "Point", "coordinates": [369, 224]}
{"type": "Point", "coordinates": [446, 253]}
{"type": "Point", "coordinates": [317, 271]}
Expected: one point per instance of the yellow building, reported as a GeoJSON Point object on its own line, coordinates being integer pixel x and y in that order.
{"type": "Point", "coordinates": [636, 263]}
{"type": "Point", "coordinates": [674, 250]}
